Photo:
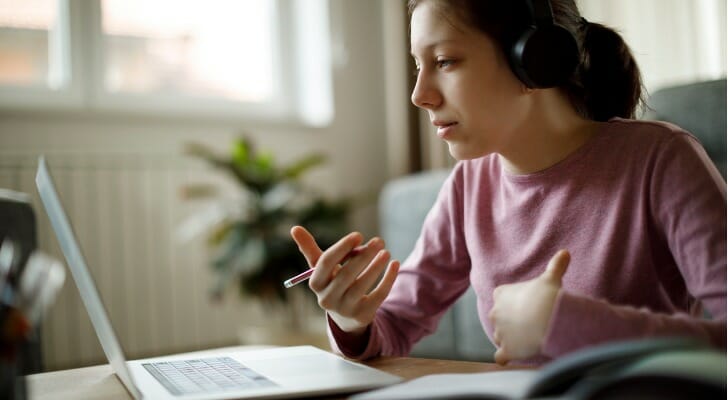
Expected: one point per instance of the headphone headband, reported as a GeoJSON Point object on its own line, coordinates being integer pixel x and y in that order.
{"type": "Point", "coordinates": [541, 12]}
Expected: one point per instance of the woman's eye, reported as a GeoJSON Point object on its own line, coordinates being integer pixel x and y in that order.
{"type": "Point", "coordinates": [444, 63]}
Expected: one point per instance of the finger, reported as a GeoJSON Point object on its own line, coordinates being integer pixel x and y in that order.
{"type": "Point", "coordinates": [345, 276]}
{"type": "Point", "coordinates": [369, 276]}
{"type": "Point", "coordinates": [500, 356]}
{"type": "Point", "coordinates": [496, 293]}
{"type": "Point", "coordinates": [496, 338]}
{"type": "Point", "coordinates": [330, 259]}
{"type": "Point", "coordinates": [491, 315]}
{"type": "Point", "coordinates": [377, 296]}
{"type": "Point", "coordinates": [306, 244]}
{"type": "Point", "coordinates": [557, 267]}
{"type": "Point", "coordinates": [358, 259]}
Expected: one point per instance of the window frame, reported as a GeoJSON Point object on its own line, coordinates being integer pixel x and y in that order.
{"type": "Point", "coordinates": [70, 95]}
{"type": "Point", "coordinates": [85, 90]}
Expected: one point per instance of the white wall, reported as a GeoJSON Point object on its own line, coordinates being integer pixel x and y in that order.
{"type": "Point", "coordinates": [673, 41]}
{"type": "Point", "coordinates": [355, 143]}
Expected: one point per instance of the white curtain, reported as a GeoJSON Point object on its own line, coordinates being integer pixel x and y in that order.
{"type": "Point", "coordinates": [674, 41]}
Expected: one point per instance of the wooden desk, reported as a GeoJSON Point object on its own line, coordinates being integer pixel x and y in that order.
{"type": "Point", "coordinates": [99, 382]}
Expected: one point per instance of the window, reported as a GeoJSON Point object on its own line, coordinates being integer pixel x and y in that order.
{"type": "Point", "coordinates": [224, 49]}
{"type": "Point", "coordinates": [34, 54]}
{"type": "Point", "coordinates": [206, 57]}
{"type": "Point", "coordinates": [25, 33]}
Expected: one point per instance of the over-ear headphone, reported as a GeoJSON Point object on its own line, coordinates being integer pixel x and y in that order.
{"type": "Point", "coordinates": [545, 54]}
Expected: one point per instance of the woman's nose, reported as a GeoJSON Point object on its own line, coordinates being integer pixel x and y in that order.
{"type": "Point", "coordinates": [425, 95]}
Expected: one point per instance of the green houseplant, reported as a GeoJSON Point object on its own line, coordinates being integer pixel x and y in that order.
{"type": "Point", "coordinates": [253, 248]}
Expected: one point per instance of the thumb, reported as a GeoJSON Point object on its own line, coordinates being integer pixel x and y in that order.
{"type": "Point", "coordinates": [500, 356]}
{"type": "Point", "coordinates": [557, 267]}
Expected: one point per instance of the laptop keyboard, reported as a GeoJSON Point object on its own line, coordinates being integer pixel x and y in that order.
{"type": "Point", "coordinates": [206, 375]}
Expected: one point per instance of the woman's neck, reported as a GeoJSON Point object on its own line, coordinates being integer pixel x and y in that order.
{"type": "Point", "coordinates": [553, 131]}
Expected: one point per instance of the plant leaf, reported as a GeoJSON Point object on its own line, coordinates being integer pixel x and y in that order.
{"type": "Point", "coordinates": [295, 170]}
{"type": "Point", "coordinates": [241, 152]}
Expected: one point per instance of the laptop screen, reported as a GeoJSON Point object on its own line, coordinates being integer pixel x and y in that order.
{"type": "Point", "coordinates": [82, 277]}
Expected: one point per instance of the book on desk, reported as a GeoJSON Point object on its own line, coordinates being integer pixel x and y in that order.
{"type": "Point", "coordinates": [665, 368]}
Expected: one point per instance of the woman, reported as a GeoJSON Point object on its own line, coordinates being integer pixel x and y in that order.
{"type": "Point", "coordinates": [575, 224]}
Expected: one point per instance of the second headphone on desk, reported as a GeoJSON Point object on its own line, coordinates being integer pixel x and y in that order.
{"type": "Point", "coordinates": [545, 54]}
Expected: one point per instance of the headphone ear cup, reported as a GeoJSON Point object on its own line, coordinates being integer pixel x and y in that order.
{"type": "Point", "coordinates": [516, 56]}
{"type": "Point", "coordinates": [545, 56]}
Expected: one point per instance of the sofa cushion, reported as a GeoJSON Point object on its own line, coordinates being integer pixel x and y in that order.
{"type": "Point", "coordinates": [698, 107]}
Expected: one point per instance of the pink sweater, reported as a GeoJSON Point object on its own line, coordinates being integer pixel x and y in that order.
{"type": "Point", "coordinates": [641, 209]}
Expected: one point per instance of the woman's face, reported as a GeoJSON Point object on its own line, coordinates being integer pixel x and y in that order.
{"type": "Point", "coordinates": [465, 84]}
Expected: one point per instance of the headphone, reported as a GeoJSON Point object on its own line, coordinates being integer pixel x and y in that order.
{"type": "Point", "coordinates": [545, 54]}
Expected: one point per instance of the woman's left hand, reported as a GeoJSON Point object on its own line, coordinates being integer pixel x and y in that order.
{"type": "Point", "coordinates": [521, 311]}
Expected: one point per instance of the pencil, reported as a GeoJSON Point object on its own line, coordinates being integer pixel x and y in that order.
{"type": "Point", "coordinates": [303, 276]}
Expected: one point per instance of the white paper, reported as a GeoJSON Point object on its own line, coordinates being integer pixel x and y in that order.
{"type": "Point", "coordinates": [486, 385]}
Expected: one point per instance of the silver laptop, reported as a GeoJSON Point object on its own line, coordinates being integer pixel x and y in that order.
{"type": "Point", "coordinates": [270, 373]}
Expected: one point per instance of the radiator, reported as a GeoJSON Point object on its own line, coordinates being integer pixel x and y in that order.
{"type": "Point", "coordinates": [124, 210]}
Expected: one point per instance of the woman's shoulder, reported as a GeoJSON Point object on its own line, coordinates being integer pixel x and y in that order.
{"type": "Point", "coordinates": [645, 131]}
{"type": "Point", "coordinates": [655, 144]}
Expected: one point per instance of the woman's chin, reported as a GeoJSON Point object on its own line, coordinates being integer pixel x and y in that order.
{"type": "Point", "coordinates": [461, 152]}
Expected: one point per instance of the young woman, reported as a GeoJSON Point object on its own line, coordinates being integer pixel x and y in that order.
{"type": "Point", "coordinates": [575, 224]}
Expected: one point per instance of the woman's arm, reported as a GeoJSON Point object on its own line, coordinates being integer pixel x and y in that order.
{"type": "Point", "coordinates": [687, 201]}
{"type": "Point", "coordinates": [429, 281]}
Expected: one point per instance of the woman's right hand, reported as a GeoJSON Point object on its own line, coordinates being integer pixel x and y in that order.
{"type": "Point", "coordinates": [345, 292]}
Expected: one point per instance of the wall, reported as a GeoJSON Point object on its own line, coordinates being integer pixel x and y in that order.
{"type": "Point", "coordinates": [673, 41]}
{"type": "Point", "coordinates": [355, 143]}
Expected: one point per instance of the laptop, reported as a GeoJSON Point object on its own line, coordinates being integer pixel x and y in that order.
{"type": "Point", "coordinates": [280, 372]}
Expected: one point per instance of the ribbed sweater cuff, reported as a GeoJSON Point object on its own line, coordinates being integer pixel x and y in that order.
{"type": "Point", "coordinates": [351, 346]}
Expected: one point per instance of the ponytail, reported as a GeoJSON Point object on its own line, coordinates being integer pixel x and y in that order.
{"type": "Point", "coordinates": [607, 82]}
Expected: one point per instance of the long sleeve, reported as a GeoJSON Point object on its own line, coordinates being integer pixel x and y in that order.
{"type": "Point", "coordinates": [688, 206]}
{"type": "Point", "coordinates": [430, 280]}
{"type": "Point", "coordinates": [608, 322]}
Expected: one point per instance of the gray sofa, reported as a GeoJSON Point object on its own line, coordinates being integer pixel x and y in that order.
{"type": "Point", "coordinates": [404, 202]}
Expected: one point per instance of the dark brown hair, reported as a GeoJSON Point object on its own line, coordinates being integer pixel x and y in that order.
{"type": "Point", "coordinates": [606, 83]}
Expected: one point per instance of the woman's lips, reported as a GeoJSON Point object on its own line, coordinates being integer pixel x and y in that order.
{"type": "Point", "coordinates": [445, 129]}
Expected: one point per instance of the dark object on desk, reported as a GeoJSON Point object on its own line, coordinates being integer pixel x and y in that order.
{"type": "Point", "coordinates": [17, 223]}
{"type": "Point", "coordinates": [639, 369]}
